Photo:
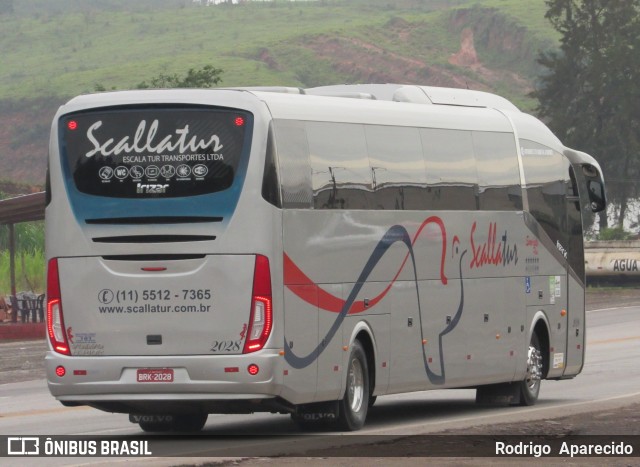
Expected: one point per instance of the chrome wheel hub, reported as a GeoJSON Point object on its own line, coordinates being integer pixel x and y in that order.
{"type": "Point", "coordinates": [534, 368]}
{"type": "Point", "coordinates": [355, 386]}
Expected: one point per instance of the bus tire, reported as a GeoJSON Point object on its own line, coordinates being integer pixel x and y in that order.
{"type": "Point", "coordinates": [155, 426]}
{"type": "Point", "coordinates": [189, 423]}
{"type": "Point", "coordinates": [530, 386]}
{"type": "Point", "coordinates": [353, 407]}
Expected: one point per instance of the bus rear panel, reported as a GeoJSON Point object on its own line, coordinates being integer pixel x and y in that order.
{"type": "Point", "coordinates": [158, 290]}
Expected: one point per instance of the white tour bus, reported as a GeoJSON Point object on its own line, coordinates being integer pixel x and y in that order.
{"type": "Point", "coordinates": [305, 251]}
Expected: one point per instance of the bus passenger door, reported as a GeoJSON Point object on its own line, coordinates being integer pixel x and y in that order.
{"type": "Point", "coordinates": [575, 327]}
{"type": "Point", "coordinates": [576, 324]}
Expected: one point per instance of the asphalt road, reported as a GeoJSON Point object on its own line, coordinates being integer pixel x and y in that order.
{"type": "Point", "coordinates": [610, 380]}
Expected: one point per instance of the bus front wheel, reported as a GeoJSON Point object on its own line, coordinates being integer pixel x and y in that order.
{"type": "Point", "coordinates": [530, 386]}
{"type": "Point", "coordinates": [354, 405]}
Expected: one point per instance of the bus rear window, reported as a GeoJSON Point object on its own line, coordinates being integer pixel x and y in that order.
{"type": "Point", "coordinates": [151, 153]}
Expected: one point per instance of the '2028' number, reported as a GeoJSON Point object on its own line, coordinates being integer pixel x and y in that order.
{"type": "Point", "coordinates": [226, 346]}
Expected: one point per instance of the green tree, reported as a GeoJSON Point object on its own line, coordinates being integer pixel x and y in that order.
{"type": "Point", "coordinates": [590, 94]}
{"type": "Point", "coordinates": [206, 77]}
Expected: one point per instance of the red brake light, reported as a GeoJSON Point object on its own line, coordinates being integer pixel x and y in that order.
{"type": "Point", "coordinates": [55, 322]}
{"type": "Point", "coordinates": [72, 125]}
{"type": "Point", "coordinates": [261, 317]}
{"type": "Point", "coordinates": [239, 121]}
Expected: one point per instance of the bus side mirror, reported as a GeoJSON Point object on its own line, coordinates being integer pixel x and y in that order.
{"type": "Point", "coordinates": [595, 188]}
{"type": "Point", "coordinates": [596, 195]}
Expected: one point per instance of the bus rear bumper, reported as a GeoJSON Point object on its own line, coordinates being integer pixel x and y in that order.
{"type": "Point", "coordinates": [200, 382]}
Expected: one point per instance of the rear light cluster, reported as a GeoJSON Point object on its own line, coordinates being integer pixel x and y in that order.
{"type": "Point", "coordinates": [55, 321]}
{"type": "Point", "coordinates": [261, 318]}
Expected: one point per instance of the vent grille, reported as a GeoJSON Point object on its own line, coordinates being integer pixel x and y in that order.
{"type": "Point", "coordinates": [154, 220]}
{"type": "Point", "coordinates": [171, 257]}
{"type": "Point", "coordinates": [154, 238]}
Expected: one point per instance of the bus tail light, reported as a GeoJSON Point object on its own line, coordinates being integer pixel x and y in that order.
{"type": "Point", "coordinates": [55, 321]}
{"type": "Point", "coordinates": [261, 317]}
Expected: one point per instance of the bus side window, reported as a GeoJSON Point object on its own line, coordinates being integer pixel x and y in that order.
{"type": "Point", "coordinates": [293, 162]}
{"type": "Point", "coordinates": [341, 177]}
{"type": "Point", "coordinates": [573, 195]}
{"type": "Point", "coordinates": [573, 234]}
{"type": "Point", "coordinates": [546, 189]}
{"type": "Point", "coordinates": [397, 167]}
{"type": "Point", "coordinates": [452, 178]}
{"type": "Point", "coordinates": [270, 183]}
{"type": "Point", "coordinates": [498, 172]}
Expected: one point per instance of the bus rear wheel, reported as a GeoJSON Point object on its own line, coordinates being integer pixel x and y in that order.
{"type": "Point", "coordinates": [354, 405]}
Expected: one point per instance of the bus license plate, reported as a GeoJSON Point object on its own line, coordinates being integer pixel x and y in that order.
{"type": "Point", "coordinates": [155, 375]}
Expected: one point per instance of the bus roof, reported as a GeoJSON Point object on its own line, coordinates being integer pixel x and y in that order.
{"type": "Point", "coordinates": [381, 112]}
{"type": "Point", "coordinates": [379, 104]}
{"type": "Point", "coordinates": [419, 95]}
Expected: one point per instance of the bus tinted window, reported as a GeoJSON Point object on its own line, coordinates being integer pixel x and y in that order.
{"type": "Point", "coordinates": [498, 172]}
{"type": "Point", "coordinates": [574, 239]}
{"type": "Point", "coordinates": [293, 160]}
{"type": "Point", "coordinates": [397, 167]}
{"type": "Point", "coordinates": [349, 166]}
{"type": "Point", "coordinates": [451, 169]}
{"type": "Point", "coordinates": [145, 153]}
{"type": "Point", "coordinates": [341, 176]}
{"type": "Point", "coordinates": [270, 184]}
{"type": "Point", "coordinates": [546, 189]}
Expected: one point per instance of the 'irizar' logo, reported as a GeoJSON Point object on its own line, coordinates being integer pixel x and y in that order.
{"type": "Point", "coordinates": [151, 188]}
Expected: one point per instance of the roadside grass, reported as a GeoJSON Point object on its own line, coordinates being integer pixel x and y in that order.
{"type": "Point", "coordinates": [30, 272]}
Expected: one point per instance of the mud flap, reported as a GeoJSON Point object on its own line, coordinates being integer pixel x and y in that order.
{"type": "Point", "coordinates": [146, 418]}
{"type": "Point", "coordinates": [498, 394]}
{"type": "Point", "coordinates": [317, 412]}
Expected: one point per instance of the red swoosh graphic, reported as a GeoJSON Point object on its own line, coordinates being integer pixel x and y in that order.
{"type": "Point", "coordinates": [317, 296]}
